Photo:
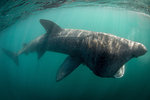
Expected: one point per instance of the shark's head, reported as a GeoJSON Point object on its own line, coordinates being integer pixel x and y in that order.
{"type": "Point", "coordinates": [138, 49]}
{"type": "Point", "coordinates": [113, 66]}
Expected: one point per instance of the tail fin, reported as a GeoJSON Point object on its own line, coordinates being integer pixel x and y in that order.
{"type": "Point", "coordinates": [12, 55]}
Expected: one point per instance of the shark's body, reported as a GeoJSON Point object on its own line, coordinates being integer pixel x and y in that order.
{"type": "Point", "coordinates": [103, 53]}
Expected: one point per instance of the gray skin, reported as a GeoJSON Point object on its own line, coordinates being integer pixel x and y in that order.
{"type": "Point", "coordinates": [103, 53]}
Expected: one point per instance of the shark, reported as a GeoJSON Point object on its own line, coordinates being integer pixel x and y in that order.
{"type": "Point", "coordinates": [103, 53]}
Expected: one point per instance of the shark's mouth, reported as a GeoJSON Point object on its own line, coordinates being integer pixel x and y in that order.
{"type": "Point", "coordinates": [120, 72]}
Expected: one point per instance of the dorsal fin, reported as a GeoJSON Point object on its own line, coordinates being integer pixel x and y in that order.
{"type": "Point", "coordinates": [50, 26]}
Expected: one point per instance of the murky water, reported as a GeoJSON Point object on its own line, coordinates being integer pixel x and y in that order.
{"type": "Point", "coordinates": [35, 79]}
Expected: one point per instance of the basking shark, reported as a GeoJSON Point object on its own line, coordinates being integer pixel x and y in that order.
{"type": "Point", "coordinates": [105, 54]}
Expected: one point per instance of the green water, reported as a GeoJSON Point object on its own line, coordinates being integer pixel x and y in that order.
{"type": "Point", "coordinates": [36, 80]}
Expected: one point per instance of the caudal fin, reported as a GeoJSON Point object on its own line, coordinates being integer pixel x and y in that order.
{"type": "Point", "coordinates": [12, 55]}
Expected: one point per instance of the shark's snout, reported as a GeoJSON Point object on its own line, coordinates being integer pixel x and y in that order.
{"type": "Point", "coordinates": [139, 50]}
{"type": "Point", "coordinates": [142, 49]}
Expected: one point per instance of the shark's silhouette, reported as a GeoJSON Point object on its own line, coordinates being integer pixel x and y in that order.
{"type": "Point", "coordinates": [103, 53]}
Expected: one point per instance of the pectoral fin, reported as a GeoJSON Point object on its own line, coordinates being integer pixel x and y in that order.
{"type": "Point", "coordinates": [120, 72]}
{"type": "Point", "coordinates": [70, 64]}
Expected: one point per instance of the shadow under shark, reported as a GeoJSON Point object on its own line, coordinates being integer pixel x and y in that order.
{"type": "Point", "coordinates": [103, 53]}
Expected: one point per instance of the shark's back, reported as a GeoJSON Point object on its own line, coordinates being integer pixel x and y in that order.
{"type": "Point", "coordinates": [76, 33]}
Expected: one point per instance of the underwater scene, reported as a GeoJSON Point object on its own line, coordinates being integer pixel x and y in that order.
{"type": "Point", "coordinates": [32, 69]}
